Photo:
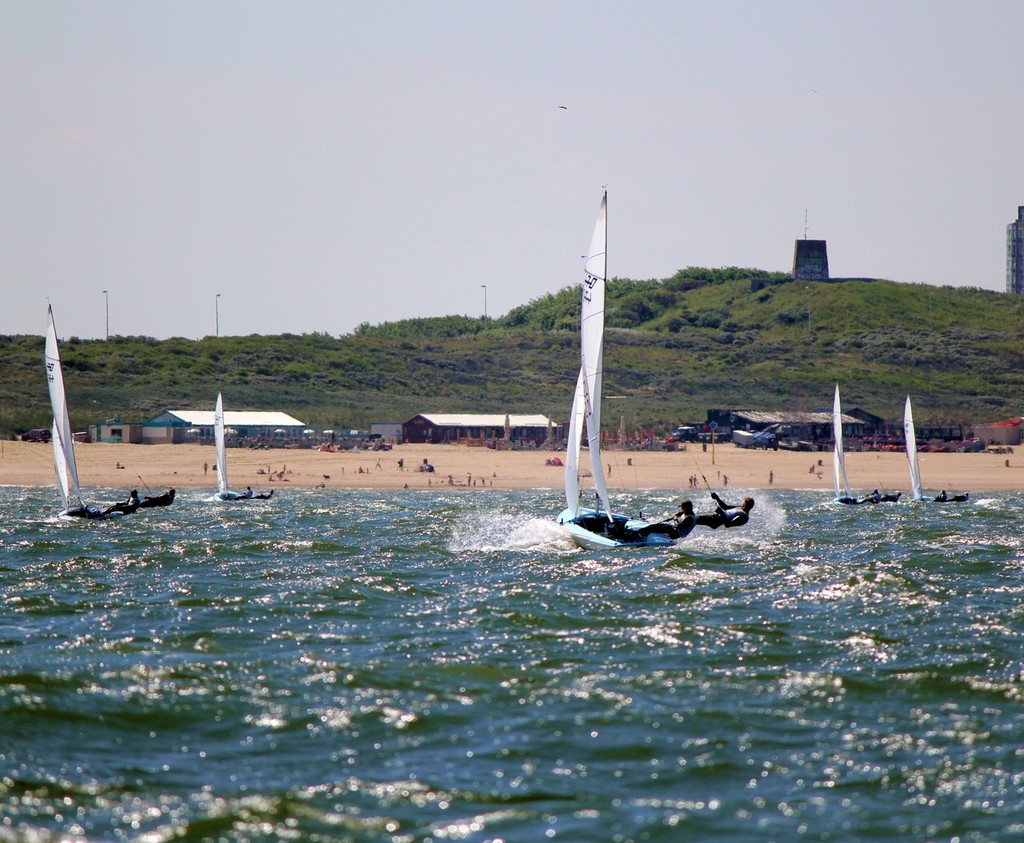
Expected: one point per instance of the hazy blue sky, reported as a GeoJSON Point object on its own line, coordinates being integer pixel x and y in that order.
{"type": "Point", "coordinates": [322, 164]}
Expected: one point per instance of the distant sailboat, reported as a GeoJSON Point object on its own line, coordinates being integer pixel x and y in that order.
{"type": "Point", "coordinates": [839, 462]}
{"type": "Point", "coordinates": [910, 437]}
{"type": "Point", "coordinates": [63, 442]}
{"type": "Point", "coordinates": [223, 492]}
{"type": "Point", "coordinates": [838, 457]}
{"type": "Point", "coordinates": [599, 528]}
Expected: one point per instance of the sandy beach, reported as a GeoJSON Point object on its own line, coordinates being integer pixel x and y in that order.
{"type": "Point", "coordinates": [156, 467]}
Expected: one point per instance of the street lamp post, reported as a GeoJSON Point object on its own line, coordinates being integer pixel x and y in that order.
{"type": "Point", "coordinates": [216, 307]}
{"type": "Point", "coordinates": [485, 304]}
{"type": "Point", "coordinates": [106, 307]}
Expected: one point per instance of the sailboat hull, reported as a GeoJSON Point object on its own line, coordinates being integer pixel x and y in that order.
{"type": "Point", "coordinates": [240, 496]}
{"type": "Point", "coordinates": [93, 512]}
{"type": "Point", "coordinates": [592, 530]}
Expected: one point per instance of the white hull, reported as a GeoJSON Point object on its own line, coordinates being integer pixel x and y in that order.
{"type": "Point", "coordinates": [591, 540]}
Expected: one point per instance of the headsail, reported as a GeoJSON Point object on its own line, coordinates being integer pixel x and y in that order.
{"type": "Point", "coordinates": [60, 464]}
{"type": "Point", "coordinates": [838, 458]}
{"type": "Point", "coordinates": [911, 439]}
{"type": "Point", "coordinates": [592, 345]}
{"type": "Point", "coordinates": [572, 449]}
{"type": "Point", "coordinates": [67, 470]}
{"type": "Point", "coordinates": [218, 435]}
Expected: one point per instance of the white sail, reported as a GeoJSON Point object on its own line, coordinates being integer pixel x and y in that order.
{"type": "Point", "coordinates": [911, 440]}
{"type": "Point", "coordinates": [218, 436]}
{"type": "Point", "coordinates": [67, 470]}
{"type": "Point", "coordinates": [60, 464]}
{"type": "Point", "coordinates": [572, 449]}
{"type": "Point", "coordinates": [592, 345]}
{"type": "Point", "coordinates": [838, 458]}
{"type": "Point", "coordinates": [597, 527]}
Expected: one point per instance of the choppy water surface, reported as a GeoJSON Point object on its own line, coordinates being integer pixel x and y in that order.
{"type": "Point", "coordinates": [444, 665]}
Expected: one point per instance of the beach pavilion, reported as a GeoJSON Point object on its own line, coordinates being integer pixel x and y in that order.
{"type": "Point", "coordinates": [174, 427]}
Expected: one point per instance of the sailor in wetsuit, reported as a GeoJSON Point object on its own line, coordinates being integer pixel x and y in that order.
{"type": "Point", "coordinates": [676, 527]}
{"type": "Point", "coordinates": [726, 515]}
{"type": "Point", "coordinates": [125, 507]}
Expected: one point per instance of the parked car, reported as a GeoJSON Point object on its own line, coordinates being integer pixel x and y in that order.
{"type": "Point", "coordinates": [37, 434]}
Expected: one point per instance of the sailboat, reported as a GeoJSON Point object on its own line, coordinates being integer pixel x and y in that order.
{"type": "Point", "coordinates": [839, 463]}
{"type": "Point", "coordinates": [838, 457]}
{"type": "Point", "coordinates": [223, 492]}
{"type": "Point", "coordinates": [63, 443]}
{"type": "Point", "coordinates": [910, 437]}
{"type": "Point", "coordinates": [598, 528]}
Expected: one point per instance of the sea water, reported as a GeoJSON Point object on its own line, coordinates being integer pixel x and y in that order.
{"type": "Point", "coordinates": [444, 665]}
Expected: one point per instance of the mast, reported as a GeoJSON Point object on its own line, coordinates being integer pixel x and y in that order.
{"type": "Point", "coordinates": [592, 345]}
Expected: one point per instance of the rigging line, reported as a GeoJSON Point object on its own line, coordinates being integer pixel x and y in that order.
{"type": "Point", "coordinates": [701, 473]}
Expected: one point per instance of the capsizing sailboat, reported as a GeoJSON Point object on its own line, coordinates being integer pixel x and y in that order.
{"type": "Point", "coordinates": [597, 527]}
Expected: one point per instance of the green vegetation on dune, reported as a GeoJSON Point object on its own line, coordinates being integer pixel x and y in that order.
{"type": "Point", "coordinates": [674, 348]}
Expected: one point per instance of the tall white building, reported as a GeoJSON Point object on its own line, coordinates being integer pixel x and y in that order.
{"type": "Point", "coordinates": [1015, 254]}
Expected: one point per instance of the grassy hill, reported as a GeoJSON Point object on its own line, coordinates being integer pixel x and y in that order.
{"type": "Point", "coordinates": [674, 348]}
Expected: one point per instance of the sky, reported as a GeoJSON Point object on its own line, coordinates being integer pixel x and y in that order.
{"type": "Point", "coordinates": [295, 167]}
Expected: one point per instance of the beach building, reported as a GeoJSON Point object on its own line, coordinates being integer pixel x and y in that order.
{"type": "Point", "coordinates": [1015, 254]}
{"type": "Point", "coordinates": [173, 427]}
{"type": "Point", "coordinates": [116, 431]}
{"type": "Point", "coordinates": [790, 427]}
{"type": "Point", "coordinates": [388, 431]}
{"type": "Point", "coordinates": [1005, 432]}
{"type": "Point", "coordinates": [479, 429]}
